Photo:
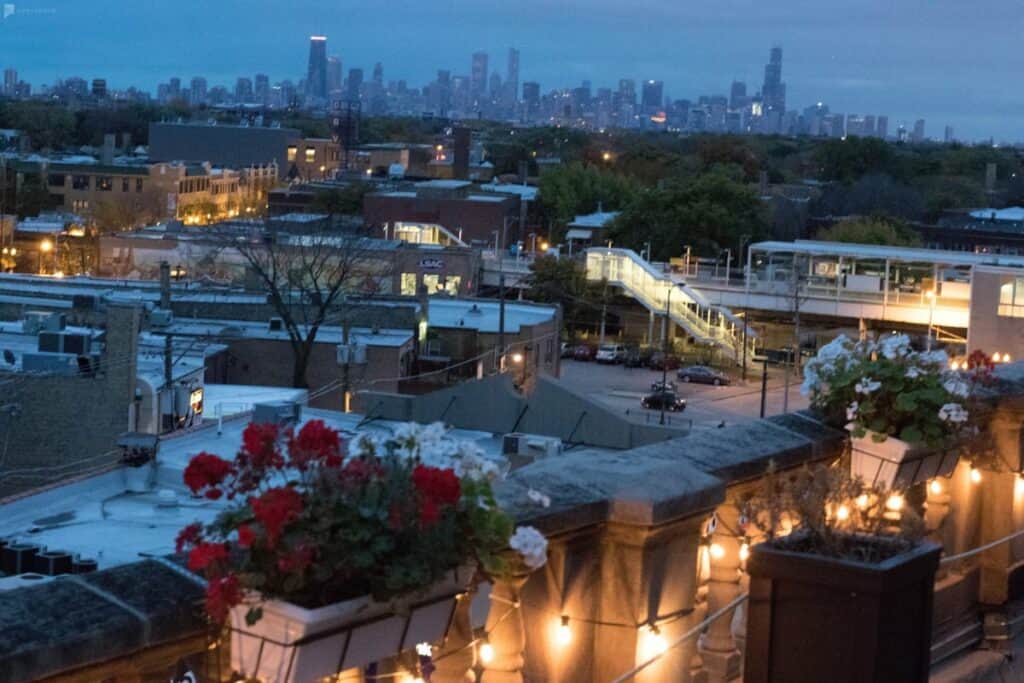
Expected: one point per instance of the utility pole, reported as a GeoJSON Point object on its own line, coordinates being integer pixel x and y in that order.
{"type": "Point", "coordinates": [346, 388]}
{"type": "Point", "coordinates": [744, 371]}
{"type": "Point", "coordinates": [794, 357]}
{"type": "Point", "coordinates": [169, 377]}
{"type": "Point", "coordinates": [764, 385]}
{"type": "Point", "coordinates": [501, 318]}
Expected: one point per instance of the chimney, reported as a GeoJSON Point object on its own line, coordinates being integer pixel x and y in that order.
{"type": "Point", "coordinates": [165, 285]}
{"type": "Point", "coordinates": [107, 151]}
{"type": "Point", "coordinates": [460, 164]}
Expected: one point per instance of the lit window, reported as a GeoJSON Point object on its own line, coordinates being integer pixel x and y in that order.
{"type": "Point", "coordinates": [104, 183]}
{"type": "Point", "coordinates": [310, 155]}
{"type": "Point", "coordinates": [293, 152]}
{"type": "Point", "coordinates": [1011, 298]}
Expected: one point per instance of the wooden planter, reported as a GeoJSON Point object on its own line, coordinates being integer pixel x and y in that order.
{"type": "Point", "coordinates": [897, 464]}
{"type": "Point", "coordinates": [813, 619]}
{"type": "Point", "coordinates": [293, 644]}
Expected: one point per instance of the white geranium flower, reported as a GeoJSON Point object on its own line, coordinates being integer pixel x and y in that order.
{"type": "Point", "coordinates": [913, 372]}
{"type": "Point", "coordinates": [837, 348]}
{"type": "Point", "coordinates": [531, 544]}
{"type": "Point", "coordinates": [538, 498]}
{"type": "Point", "coordinates": [938, 358]}
{"type": "Point", "coordinates": [957, 387]}
{"type": "Point", "coordinates": [895, 346]}
{"type": "Point", "coordinates": [953, 412]}
{"type": "Point", "coordinates": [867, 385]}
{"type": "Point", "coordinates": [851, 411]}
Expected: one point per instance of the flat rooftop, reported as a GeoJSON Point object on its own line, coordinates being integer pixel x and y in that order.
{"type": "Point", "coordinates": [874, 251]}
{"type": "Point", "coordinates": [485, 315]}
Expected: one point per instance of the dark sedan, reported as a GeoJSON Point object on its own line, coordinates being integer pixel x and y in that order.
{"type": "Point", "coordinates": [668, 400]}
{"type": "Point", "coordinates": [701, 374]}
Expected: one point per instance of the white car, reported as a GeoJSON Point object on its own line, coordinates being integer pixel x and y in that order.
{"type": "Point", "coordinates": [611, 353]}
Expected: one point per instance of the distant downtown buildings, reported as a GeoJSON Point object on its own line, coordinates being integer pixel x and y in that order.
{"type": "Point", "coordinates": [487, 93]}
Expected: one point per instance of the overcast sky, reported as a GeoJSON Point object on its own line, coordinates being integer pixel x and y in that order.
{"type": "Point", "coordinates": [954, 62]}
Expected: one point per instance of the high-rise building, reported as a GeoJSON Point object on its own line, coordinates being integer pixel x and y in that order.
{"type": "Point", "coordinates": [882, 127]}
{"type": "Point", "coordinates": [197, 90]}
{"type": "Point", "coordinates": [316, 71]}
{"type": "Point", "coordinates": [918, 134]}
{"type": "Point", "coordinates": [773, 92]}
{"type": "Point", "coordinates": [738, 95]}
{"type": "Point", "coordinates": [355, 85]}
{"type": "Point", "coordinates": [99, 87]}
{"type": "Point", "coordinates": [334, 73]}
{"type": "Point", "coordinates": [10, 81]}
{"type": "Point", "coordinates": [378, 74]}
{"type": "Point", "coordinates": [261, 89]}
{"type": "Point", "coordinates": [478, 76]}
{"type": "Point", "coordinates": [512, 76]}
{"type": "Point", "coordinates": [243, 90]}
{"type": "Point", "coordinates": [174, 88]}
{"type": "Point", "coordinates": [869, 126]}
{"type": "Point", "coordinates": [948, 135]}
{"type": "Point", "coordinates": [531, 98]}
{"type": "Point", "coordinates": [652, 98]}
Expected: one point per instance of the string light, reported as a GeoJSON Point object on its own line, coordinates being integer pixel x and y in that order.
{"type": "Point", "coordinates": [486, 652]}
{"type": "Point", "coordinates": [744, 551]}
{"type": "Point", "coordinates": [424, 649]}
{"type": "Point", "coordinates": [1018, 486]}
{"type": "Point", "coordinates": [656, 645]}
{"type": "Point", "coordinates": [843, 513]}
{"type": "Point", "coordinates": [717, 551]}
{"type": "Point", "coordinates": [564, 632]}
{"type": "Point", "coordinates": [1006, 358]}
{"type": "Point", "coordinates": [935, 486]}
{"type": "Point", "coordinates": [862, 501]}
{"type": "Point", "coordinates": [894, 503]}
{"type": "Point", "coordinates": [975, 475]}
{"type": "Point", "coordinates": [996, 357]}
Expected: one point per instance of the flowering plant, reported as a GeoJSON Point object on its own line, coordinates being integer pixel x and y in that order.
{"type": "Point", "coordinates": [314, 521]}
{"type": "Point", "coordinates": [885, 388]}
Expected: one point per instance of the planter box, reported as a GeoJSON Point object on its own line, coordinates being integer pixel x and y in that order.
{"type": "Point", "coordinates": [138, 478]}
{"type": "Point", "coordinates": [294, 644]}
{"type": "Point", "coordinates": [812, 619]}
{"type": "Point", "coordinates": [897, 464]}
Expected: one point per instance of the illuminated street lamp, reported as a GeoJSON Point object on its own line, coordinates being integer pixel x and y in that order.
{"type": "Point", "coordinates": [607, 156]}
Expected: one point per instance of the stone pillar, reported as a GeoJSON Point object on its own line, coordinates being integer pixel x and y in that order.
{"type": "Point", "coordinates": [997, 496]}
{"type": "Point", "coordinates": [937, 506]}
{"type": "Point", "coordinates": [507, 633]}
{"type": "Point", "coordinates": [456, 659]}
{"type": "Point", "coordinates": [718, 647]}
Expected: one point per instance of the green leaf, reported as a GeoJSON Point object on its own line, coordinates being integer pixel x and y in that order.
{"type": "Point", "coordinates": [911, 434]}
{"type": "Point", "coordinates": [253, 615]}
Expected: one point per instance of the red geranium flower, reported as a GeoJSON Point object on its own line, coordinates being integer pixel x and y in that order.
{"type": "Point", "coordinates": [190, 535]}
{"type": "Point", "coordinates": [206, 554]}
{"type": "Point", "coordinates": [429, 512]}
{"type": "Point", "coordinates": [246, 535]}
{"type": "Point", "coordinates": [207, 471]}
{"type": "Point", "coordinates": [276, 508]}
{"type": "Point", "coordinates": [221, 595]}
{"type": "Point", "coordinates": [438, 485]}
{"type": "Point", "coordinates": [315, 442]}
{"type": "Point", "coordinates": [260, 447]}
{"type": "Point", "coordinates": [296, 561]}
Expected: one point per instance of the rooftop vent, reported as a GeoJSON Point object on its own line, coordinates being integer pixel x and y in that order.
{"type": "Point", "coordinates": [282, 413]}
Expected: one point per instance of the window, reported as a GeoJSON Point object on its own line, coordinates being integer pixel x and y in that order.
{"type": "Point", "coordinates": [408, 284]}
{"type": "Point", "coordinates": [293, 152]}
{"type": "Point", "coordinates": [436, 284]}
{"type": "Point", "coordinates": [1011, 298]}
{"type": "Point", "coordinates": [104, 183]}
{"type": "Point", "coordinates": [138, 184]}
{"type": "Point", "coordinates": [310, 155]}
{"type": "Point", "coordinates": [125, 185]}
{"type": "Point", "coordinates": [80, 182]}
{"type": "Point", "coordinates": [56, 180]}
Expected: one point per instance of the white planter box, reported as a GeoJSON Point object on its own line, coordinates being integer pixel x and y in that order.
{"type": "Point", "coordinates": [894, 463]}
{"type": "Point", "coordinates": [137, 479]}
{"type": "Point", "coordinates": [346, 634]}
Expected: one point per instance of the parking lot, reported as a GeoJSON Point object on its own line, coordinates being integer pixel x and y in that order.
{"type": "Point", "coordinates": [621, 388]}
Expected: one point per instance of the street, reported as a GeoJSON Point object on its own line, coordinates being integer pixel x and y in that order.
{"type": "Point", "coordinates": [707, 406]}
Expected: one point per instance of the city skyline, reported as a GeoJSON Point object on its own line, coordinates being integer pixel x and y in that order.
{"type": "Point", "coordinates": [851, 75]}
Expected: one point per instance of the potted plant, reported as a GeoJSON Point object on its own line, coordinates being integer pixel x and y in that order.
{"type": "Point", "coordinates": [846, 595]}
{"type": "Point", "coordinates": [330, 557]}
{"type": "Point", "coordinates": [904, 409]}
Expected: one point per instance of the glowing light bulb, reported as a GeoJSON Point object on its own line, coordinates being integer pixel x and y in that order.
{"type": "Point", "coordinates": [424, 649]}
{"type": "Point", "coordinates": [1006, 358]}
{"type": "Point", "coordinates": [842, 513]}
{"type": "Point", "coordinates": [486, 652]}
{"type": "Point", "coordinates": [717, 551]}
{"type": "Point", "coordinates": [975, 475]}
{"type": "Point", "coordinates": [1018, 486]}
{"type": "Point", "coordinates": [953, 365]}
{"type": "Point", "coordinates": [744, 551]}
{"type": "Point", "coordinates": [656, 643]}
{"type": "Point", "coordinates": [894, 503]}
{"type": "Point", "coordinates": [996, 357]}
{"type": "Point", "coordinates": [564, 632]}
{"type": "Point", "coordinates": [935, 486]}
{"type": "Point", "coordinates": [862, 501]}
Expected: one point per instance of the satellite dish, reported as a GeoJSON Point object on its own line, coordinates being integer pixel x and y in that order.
{"type": "Point", "coordinates": [9, 357]}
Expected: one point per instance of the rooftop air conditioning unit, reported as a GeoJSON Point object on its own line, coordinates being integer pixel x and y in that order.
{"type": "Point", "coordinates": [276, 324]}
{"type": "Point", "coordinates": [54, 363]}
{"type": "Point", "coordinates": [55, 322]}
{"type": "Point", "coordinates": [65, 342]}
{"type": "Point", "coordinates": [84, 302]}
{"type": "Point", "coordinates": [351, 354]}
{"type": "Point", "coordinates": [34, 321]}
{"type": "Point", "coordinates": [161, 317]}
{"type": "Point", "coordinates": [282, 413]}
{"type": "Point", "coordinates": [531, 445]}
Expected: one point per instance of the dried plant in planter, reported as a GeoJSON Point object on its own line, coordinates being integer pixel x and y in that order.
{"type": "Point", "coordinates": [824, 511]}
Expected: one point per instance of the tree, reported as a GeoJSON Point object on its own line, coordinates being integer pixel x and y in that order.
{"type": "Point", "coordinates": [307, 279]}
{"type": "Point", "coordinates": [346, 201]}
{"type": "Point", "coordinates": [871, 231]}
{"type": "Point", "coordinates": [575, 189]}
{"type": "Point", "coordinates": [854, 157]}
{"type": "Point", "coordinates": [113, 216]}
{"type": "Point", "coordinates": [710, 213]}
{"type": "Point", "coordinates": [564, 282]}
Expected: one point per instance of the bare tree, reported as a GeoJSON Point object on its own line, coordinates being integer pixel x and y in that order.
{"type": "Point", "coordinates": [310, 279]}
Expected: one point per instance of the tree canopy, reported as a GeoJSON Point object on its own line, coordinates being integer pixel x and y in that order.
{"type": "Point", "coordinates": [871, 231]}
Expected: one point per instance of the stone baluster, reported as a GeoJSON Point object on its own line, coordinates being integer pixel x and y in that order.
{"type": "Point", "coordinates": [454, 661]}
{"type": "Point", "coordinates": [937, 507]}
{"type": "Point", "coordinates": [718, 647]}
{"type": "Point", "coordinates": [506, 632]}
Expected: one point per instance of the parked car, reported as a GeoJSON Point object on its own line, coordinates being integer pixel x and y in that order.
{"type": "Point", "coordinates": [637, 358]}
{"type": "Point", "coordinates": [568, 350]}
{"type": "Point", "coordinates": [661, 361]}
{"type": "Point", "coordinates": [663, 386]}
{"type": "Point", "coordinates": [701, 374]}
{"type": "Point", "coordinates": [584, 352]}
{"type": "Point", "coordinates": [611, 353]}
{"type": "Point", "coordinates": [669, 400]}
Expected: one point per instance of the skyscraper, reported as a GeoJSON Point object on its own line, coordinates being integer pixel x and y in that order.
{"type": "Point", "coordinates": [948, 136]}
{"type": "Point", "coordinates": [243, 90]}
{"type": "Point", "coordinates": [316, 72]}
{"type": "Point", "coordinates": [882, 127]}
{"type": "Point", "coordinates": [512, 76]}
{"type": "Point", "coordinates": [261, 89]}
{"type": "Point", "coordinates": [478, 76]}
{"type": "Point", "coordinates": [531, 97]}
{"type": "Point", "coordinates": [738, 95]}
{"type": "Point", "coordinates": [197, 91]}
{"type": "Point", "coordinates": [355, 85]}
{"type": "Point", "coordinates": [334, 73]}
{"type": "Point", "coordinates": [378, 74]}
{"type": "Point", "coordinates": [918, 134]}
{"type": "Point", "coordinates": [652, 97]}
{"type": "Point", "coordinates": [10, 81]}
{"type": "Point", "coordinates": [773, 92]}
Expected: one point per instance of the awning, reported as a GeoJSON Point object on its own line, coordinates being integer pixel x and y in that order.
{"type": "Point", "coordinates": [578, 234]}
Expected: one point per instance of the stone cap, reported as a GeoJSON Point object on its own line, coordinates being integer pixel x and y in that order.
{"type": "Point", "coordinates": [78, 620]}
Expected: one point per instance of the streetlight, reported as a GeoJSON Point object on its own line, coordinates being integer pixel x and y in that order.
{"type": "Point", "coordinates": [664, 347]}
{"type": "Point", "coordinates": [930, 295]}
